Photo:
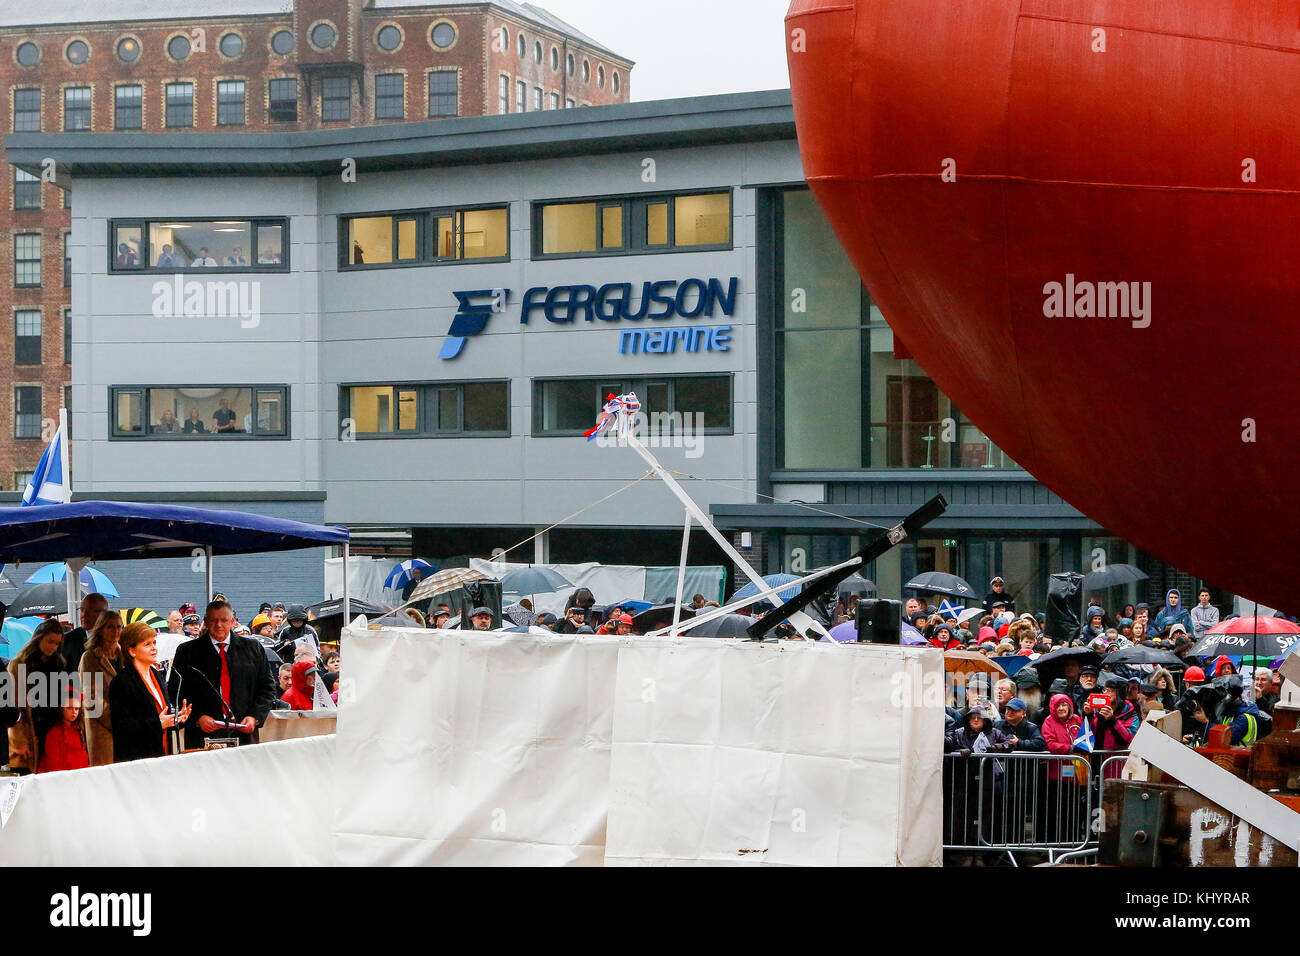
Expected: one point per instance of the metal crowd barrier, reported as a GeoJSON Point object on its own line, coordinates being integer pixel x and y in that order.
{"type": "Point", "coordinates": [1022, 803]}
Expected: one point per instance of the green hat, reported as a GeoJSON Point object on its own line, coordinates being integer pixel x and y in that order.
{"type": "Point", "coordinates": [1027, 677]}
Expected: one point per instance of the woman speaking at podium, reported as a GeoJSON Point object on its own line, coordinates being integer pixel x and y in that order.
{"type": "Point", "coordinates": [137, 699]}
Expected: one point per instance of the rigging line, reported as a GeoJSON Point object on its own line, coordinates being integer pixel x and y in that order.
{"type": "Point", "coordinates": [618, 491]}
{"type": "Point", "coordinates": [796, 504]}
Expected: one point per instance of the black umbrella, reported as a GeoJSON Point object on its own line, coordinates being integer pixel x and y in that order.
{"type": "Point", "coordinates": [45, 599]}
{"type": "Point", "coordinates": [940, 582]}
{"type": "Point", "coordinates": [855, 584]}
{"type": "Point", "coordinates": [728, 625]}
{"type": "Point", "coordinates": [8, 589]}
{"type": "Point", "coordinates": [1052, 665]}
{"type": "Point", "coordinates": [335, 607]}
{"type": "Point", "coordinates": [1140, 654]}
{"type": "Point", "coordinates": [1113, 575]}
{"type": "Point", "coordinates": [661, 615]}
{"type": "Point", "coordinates": [1211, 645]}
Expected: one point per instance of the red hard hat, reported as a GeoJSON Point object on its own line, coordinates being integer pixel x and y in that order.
{"type": "Point", "coordinates": [1194, 675]}
{"type": "Point", "coordinates": [625, 619]}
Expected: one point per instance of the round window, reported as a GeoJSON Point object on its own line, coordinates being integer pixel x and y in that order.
{"type": "Point", "coordinates": [390, 38]}
{"type": "Point", "coordinates": [29, 54]}
{"type": "Point", "coordinates": [178, 47]}
{"type": "Point", "coordinates": [282, 42]}
{"type": "Point", "coordinates": [232, 45]}
{"type": "Point", "coordinates": [324, 36]}
{"type": "Point", "coordinates": [444, 35]}
{"type": "Point", "coordinates": [77, 52]}
{"type": "Point", "coordinates": [128, 49]}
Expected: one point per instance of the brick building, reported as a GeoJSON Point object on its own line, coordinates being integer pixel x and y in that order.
{"type": "Point", "coordinates": [264, 65]}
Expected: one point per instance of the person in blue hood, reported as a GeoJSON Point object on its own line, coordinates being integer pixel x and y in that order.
{"type": "Point", "coordinates": [1172, 613]}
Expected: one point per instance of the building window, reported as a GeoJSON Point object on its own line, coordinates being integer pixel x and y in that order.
{"type": "Point", "coordinates": [523, 47]}
{"type": "Point", "coordinates": [67, 260]}
{"type": "Point", "coordinates": [390, 96]}
{"type": "Point", "coordinates": [67, 336]}
{"type": "Point", "coordinates": [27, 190]}
{"type": "Point", "coordinates": [555, 58]}
{"type": "Point", "coordinates": [600, 77]}
{"type": "Point", "coordinates": [128, 49]}
{"type": "Point", "coordinates": [77, 52]}
{"type": "Point", "coordinates": [168, 245]}
{"type": "Point", "coordinates": [178, 47]}
{"type": "Point", "coordinates": [570, 103]}
{"type": "Point", "coordinates": [27, 111]}
{"type": "Point", "coordinates": [586, 71]}
{"type": "Point", "coordinates": [555, 101]}
{"type": "Point", "coordinates": [128, 111]}
{"type": "Point", "coordinates": [570, 64]}
{"type": "Point", "coordinates": [444, 93]}
{"type": "Point", "coordinates": [567, 407]}
{"type": "Point", "coordinates": [27, 260]}
{"type": "Point", "coordinates": [425, 236]}
{"type": "Point", "coordinates": [28, 54]}
{"type": "Point", "coordinates": [180, 105]}
{"type": "Point", "coordinates": [27, 337]}
{"type": "Point", "coordinates": [503, 95]}
{"type": "Point", "coordinates": [283, 101]}
{"type": "Point", "coordinates": [429, 410]}
{"type": "Point", "coordinates": [617, 82]}
{"type": "Point", "coordinates": [521, 97]}
{"type": "Point", "coordinates": [389, 38]}
{"type": "Point", "coordinates": [633, 224]}
{"type": "Point", "coordinates": [537, 99]}
{"type": "Point", "coordinates": [336, 99]}
{"type": "Point", "coordinates": [323, 36]}
{"type": "Point", "coordinates": [27, 411]}
{"type": "Point", "coordinates": [443, 35]}
{"type": "Point", "coordinates": [232, 46]}
{"type": "Point", "coordinates": [282, 43]}
{"type": "Point", "coordinates": [211, 412]}
{"type": "Point", "coordinates": [76, 108]}
{"type": "Point", "coordinates": [22, 479]}
{"type": "Point", "coordinates": [537, 51]}
{"type": "Point", "coordinates": [230, 103]}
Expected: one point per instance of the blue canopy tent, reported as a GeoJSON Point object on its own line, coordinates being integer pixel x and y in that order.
{"type": "Point", "coordinates": [106, 530]}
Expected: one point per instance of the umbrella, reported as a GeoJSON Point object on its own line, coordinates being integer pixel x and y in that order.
{"type": "Point", "coordinates": [401, 574]}
{"type": "Point", "coordinates": [855, 584]}
{"type": "Point", "coordinates": [519, 614]}
{"type": "Point", "coordinates": [910, 636]}
{"type": "Point", "coordinates": [1138, 654]}
{"type": "Point", "coordinates": [1113, 575]}
{"type": "Point", "coordinates": [17, 631]}
{"type": "Point", "coordinates": [334, 607]}
{"type": "Point", "coordinates": [939, 582]}
{"type": "Point", "coordinates": [969, 614]}
{"type": "Point", "coordinates": [1256, 636]}
{"type": "Point", "coordinates": [46, 599]}
{"type": "Point", "coordinates": [7, 589]}
{"type": "Point", "coordinates": [139, 615]}
{"type": "Point", "coordinates": [91, 579]}
{"type": "Point", "coordinates": [534, 581]}
{"type": "Point", "coordinates": [728, 625]}
{"type": "Point", "coordinates": [846, 633]}
{"type": "Point", "coordinates": [167, 644]}
{"type": "Point", "coordinates": [444, 581]}
{"type": "Point", "coordinates": [970, 662]}
{"type": "Point", "coordinates": [770, 581]}
{"type": "Point", "coordinates": [630, 606]}
{"type": "Point", "coordinates": [1052, 664]}
{"type": "Point", "coordinates": [653, 618]}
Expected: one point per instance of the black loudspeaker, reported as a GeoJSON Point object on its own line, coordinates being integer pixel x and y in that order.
{"type": "Point", "coordinates": [484, 593]}
{"type": "Point", "coordinates": [1064, 606]}
{"type": "Point", "coordinates": [879, 621]}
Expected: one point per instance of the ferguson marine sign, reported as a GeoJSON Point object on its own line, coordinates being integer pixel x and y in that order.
{"type": "Point", "coordinates": [613, 302]}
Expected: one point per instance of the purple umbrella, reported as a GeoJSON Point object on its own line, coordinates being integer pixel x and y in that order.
{"type": "Point", "coordinates": [910, 636]}
{"type": "Point", "coordinates": [845, 633]}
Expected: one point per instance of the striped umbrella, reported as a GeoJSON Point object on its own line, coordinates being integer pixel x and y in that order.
{"type": "Point", "coordinates": [91, 579]}
{"type": "Point", "coordinates": [445, 581]}
{"type": "Point", "coordinates": [140, 615]}
{"type": "Point", "coordinates": [400, 575]}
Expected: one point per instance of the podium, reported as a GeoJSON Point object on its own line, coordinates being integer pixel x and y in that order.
{"type": "Point", "coordinates": [295, 724]}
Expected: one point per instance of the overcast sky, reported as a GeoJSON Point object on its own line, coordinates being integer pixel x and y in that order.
{"type": "Point", "coordinates": [688, 47]}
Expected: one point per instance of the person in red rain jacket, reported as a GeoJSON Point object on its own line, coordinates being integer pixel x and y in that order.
{"type": "Point", "coordinates": [1060, 727]}
{"type": "Point", "coordinates": [65, 747]}
{"type": "Point", "coordinates": [942, 638]}
{"type": "Point", "coordinates": [302, 686]}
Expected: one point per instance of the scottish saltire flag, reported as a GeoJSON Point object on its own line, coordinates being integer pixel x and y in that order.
{"type": "Point", "coordinates": [1083, 739]}
{"type": "Point", "coordinates": [51, 483]}
{"type": "Point", "coordinates": [951, 609]}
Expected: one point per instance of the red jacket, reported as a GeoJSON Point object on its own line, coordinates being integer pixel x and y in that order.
{"type": "Point", "coordinates": [1059, 734]}
{"type": "Point", "coordinates": [64, 749]}
{"type": "Point", "coordinates": [299, 696]}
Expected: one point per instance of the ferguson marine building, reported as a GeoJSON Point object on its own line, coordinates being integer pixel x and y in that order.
{"type": "Point", "coordinates": [408, 329]}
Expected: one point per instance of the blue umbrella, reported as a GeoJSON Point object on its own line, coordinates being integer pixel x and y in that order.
{"type": "Point", "coordinates": [771, 581]}
{"type": "Point", "coordinates": [16, 632]}
{"type": "Point", "coordinates": [400, 575]}
{"type": "Point", "coordinates": [91, 579]}
{"type": "Point", "coordinates": [631, 606]}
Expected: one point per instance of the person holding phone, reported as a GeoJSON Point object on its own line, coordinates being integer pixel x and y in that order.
{"type": "Point", "coordinates": [142, 715]}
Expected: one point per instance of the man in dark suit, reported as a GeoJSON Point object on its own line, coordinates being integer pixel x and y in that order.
{"type": "Point", "coordinates": [235, 671]}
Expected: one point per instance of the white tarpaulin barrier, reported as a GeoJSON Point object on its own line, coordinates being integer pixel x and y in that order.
{"type": "Point", "coordinates": [780, 753]}
{"type": "Point", "coordinates": [265, 805]}
{"type": "Point", "coordinates": [366, 578]}
{"type": "Point", "coordinates": [607, 582]}
{"type": "Point", "coordinates": [474, 749]}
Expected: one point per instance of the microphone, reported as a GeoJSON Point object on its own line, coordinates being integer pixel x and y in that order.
{"type": "Point", "coordinates": [229, 714]}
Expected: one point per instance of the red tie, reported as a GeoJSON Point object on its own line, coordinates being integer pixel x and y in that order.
{"type": "Point", "coordinates": [225, 675]}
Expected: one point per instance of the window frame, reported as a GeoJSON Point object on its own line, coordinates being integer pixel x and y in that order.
{"type": "Point", "coordinates": [40, 406]}
{"type": "Point", "coordinates": [326, 99]}
{"type": "Point", "coordinates": [67, 334]}
{"type": "Point", "coordinates": [426, 217]}
{"type": "Point", "coordinates": [138, 108]}
{"type": "Point", "coordinates": [115, 434]}
{"type": "Point", "coordinates": [426, 409]}
{"type": "Point", "coordinates": [27, 188]}
{"type": "Point", "coordinates": [40, 269]}
{"type": "Point", "coordinates": [400, 96]}
{"type": "Point", "coordinates": [88, 109]}
{"type": "Point", "coordinates": [147, 252]}
{"type": "Point", "coordinates": [243, 102]}
{"type": "Point", "coordinates": [38, 111]}
{"type": "Point", "coordinates": [634, 219]}
{"type": "Point", "coordinates": [454, 73]}
{"type": "Point", "coordinates": [168, 105]}
{"type": "Point", "coordinates": [271, 101]}
{"type": "Point", "coordinates": [631, 382]}
{"type": "Point", "coordinates": [39, 337]}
